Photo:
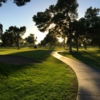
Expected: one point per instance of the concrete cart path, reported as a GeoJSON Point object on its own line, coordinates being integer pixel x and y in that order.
{"type": "Point", "coordinates": [88, 78]}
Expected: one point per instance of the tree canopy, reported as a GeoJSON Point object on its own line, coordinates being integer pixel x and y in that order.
{"type": "Point", "coordinates": [61, 15]}
{"type": "Point", "coordinates": [17, 2]}
{"type": "Point", "coordinates": [31, 39]}
{"type": "Point", "coordinates": [13, 36]}
{"type": "Point", "coordinates": [92, 18]}
{"type": "Point", "coordinates": [61, 19]}
{"type": "Point", "coordinates": [1, 29]}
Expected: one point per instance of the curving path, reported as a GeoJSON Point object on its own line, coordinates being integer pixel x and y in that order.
{"type": "Point", "coordinates": [88, 78]}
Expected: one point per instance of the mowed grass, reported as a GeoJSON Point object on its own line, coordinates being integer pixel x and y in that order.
{"type": "Point", "coordinates": [91, 56]}
{"type": "Point", "coordinates": [49, 80]}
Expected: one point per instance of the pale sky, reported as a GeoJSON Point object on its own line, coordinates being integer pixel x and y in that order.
{"type": "Point", "coordinates": [12, 15]}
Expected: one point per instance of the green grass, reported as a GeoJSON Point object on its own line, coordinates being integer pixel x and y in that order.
{"type": "Point", "coordinates": [91, 56]}
{"type": "Point", "coordinates": [49, 80]}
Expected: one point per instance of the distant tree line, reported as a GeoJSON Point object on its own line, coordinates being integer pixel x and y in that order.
{"type": "Point", "coordinates": [61, 18]}
{"type": "Point", "coordinates": [13, 37]}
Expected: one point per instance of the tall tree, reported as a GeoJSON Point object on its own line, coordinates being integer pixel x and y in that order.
{"type": "Point", "coordinates": [79, 28]}
{"type": "Point", "coordinates": [61, 15]}
{"type": "Point", "coordinates": [93, 24]}
{"type": "Point", "coordinates": [19, 32]}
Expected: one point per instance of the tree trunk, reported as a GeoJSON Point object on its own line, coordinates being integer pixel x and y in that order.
{"type": "Point", "coordinates": [64, 42]}
{"type": "Point", "coordinates": [70, 37]}
{"type": "Point", "coordinates": [77, 43]}
{"type": "Point", "coordinates": [18, 45]}
{"type": "Point", "coordinates": [70, 47]}
{"type": "Point", "coordinates": [70, 43]}
{"type": "Point", "coordinates": [85, 45]}
{"type": "Point", "coordinates": [99, 46]}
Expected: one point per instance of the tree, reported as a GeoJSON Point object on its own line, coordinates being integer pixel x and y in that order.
{"type": "Point", "coordinates": [50, 39]}
{"type": "Point", "coordinates": [1, 30]}
{"type": "Point", "coordinates": [17, 2]}
{"type": "Point", "coordinates": [7, 39]}
{"type": "Point", "coordinates": [19, 32]}
{"type": "Point", "coordinates": [31, 39]}
{"type": "Point", "coordinates": [61, 15]}
{"type": "Point", "coordinates": [79, 28]}
{"type": "Point", "coordinates": [93, 24]}
{"type": "Point", "coordinates": [13, 35]}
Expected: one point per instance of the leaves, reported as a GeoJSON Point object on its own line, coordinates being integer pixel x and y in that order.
{"type": "Point", "coordinates": [17, 2]}
{"type": "Point", "coordinates": [13, 35]}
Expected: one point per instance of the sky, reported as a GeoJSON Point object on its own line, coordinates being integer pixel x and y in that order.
{"type": "Point", "coordinates": [12, 15]}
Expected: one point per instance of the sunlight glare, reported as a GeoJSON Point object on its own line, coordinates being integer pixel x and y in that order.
{"type": "Point", "coordinates": [60, 39]}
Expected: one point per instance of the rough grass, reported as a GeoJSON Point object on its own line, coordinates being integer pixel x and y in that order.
{"type": "Point", "coordinates": [49, 80]}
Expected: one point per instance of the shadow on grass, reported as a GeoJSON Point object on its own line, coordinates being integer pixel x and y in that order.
{"type": "Point", "coordinates": [89, 58]}
{"type": "Point", "coordinates": [40, 55]}
{"type": "Point", "coordinates": [35, 55]}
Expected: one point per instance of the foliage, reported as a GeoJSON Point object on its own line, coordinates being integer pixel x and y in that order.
{"type": "Point", "coordinates": [51, 39]}
{"type": "Point", "coordinates": [1, 30]}
{"type": "Point", "coordinates": [93, 24]}
{"type": "Point", "coordinates": [31, 39]}
{"type": "Point", "coordinates": [13, 36]}
{"type": "Point", "coordinates": [61, 19]}
{"type": "Point", "coordinates": [79, 28]}
{"type": "Point", "coordinates": [61, 15]}
{"type": "Point", "coordinates": [17, 2]}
